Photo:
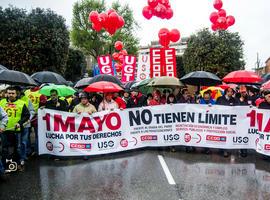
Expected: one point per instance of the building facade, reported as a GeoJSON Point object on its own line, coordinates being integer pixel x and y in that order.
{"type": "Point", "coordinates": [264, 70]}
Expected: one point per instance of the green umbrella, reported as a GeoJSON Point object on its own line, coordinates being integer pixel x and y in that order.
{"type": "Point", "coordinates": [142, 83]}
{"type": "Point", "coordinates": [62, 90]}
{"type": "Point", "coordinates": [142, 86]}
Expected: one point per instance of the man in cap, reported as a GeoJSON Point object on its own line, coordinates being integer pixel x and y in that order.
{"type": "Point", "coordinates": [84, 106]}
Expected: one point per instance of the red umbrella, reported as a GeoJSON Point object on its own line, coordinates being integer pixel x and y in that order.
{"type": "Point", "coordinates": [103, 86]}
{"type": "Point", "coordinates": [266, 86]}
{"type": "Point", "coordinates": [242, 76]}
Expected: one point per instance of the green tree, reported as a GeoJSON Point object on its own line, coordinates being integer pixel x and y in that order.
{"type": "Point", "coordinates": [180, 66]}
{"type": "Point", "coordinates": [34, 41]}
{"type": "Point", "coordinates": [219, 52]}
{"type": "Point", "coordinates": [95, 44]}
{"type": "Point", "coordinates": [76, 65]}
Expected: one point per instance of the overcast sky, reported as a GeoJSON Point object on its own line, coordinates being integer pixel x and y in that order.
{"type": "Point", "coordinates": [252, 20]}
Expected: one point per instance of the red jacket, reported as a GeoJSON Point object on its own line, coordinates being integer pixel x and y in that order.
{"type": "Point", "coordinates": [153, 103]}
{"type": "Point", "coordinates": [121, 103]}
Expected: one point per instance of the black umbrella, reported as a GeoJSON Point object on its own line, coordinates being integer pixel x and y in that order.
{"type": "Point", "coordinates": [49, 77]}
{"type": "Point", "coordinates": [105, 77]}
{"type": "Point", "coordinates": [265, 77]}
{"type": "Point", "coordinates": [83, 83]}
{"type": "Point", "coordinates": [128, 85]}
{"type": "Point", "coordinates": [3, 67]}
{"type": "Point", "coordinates": [201, 78]}
{"type": "Point", "coordinates": [15, 78]}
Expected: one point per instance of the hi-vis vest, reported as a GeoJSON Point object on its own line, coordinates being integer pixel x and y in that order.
{"type": "Point", "coordinates": [14, 112]}
{"type": "Point", "coordinates": [34, 97]}
{"type": "Point", "coordinates": [25, 99]}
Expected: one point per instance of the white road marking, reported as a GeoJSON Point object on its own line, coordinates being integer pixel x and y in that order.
{"type": "Point", "coordinates": [166, 170]}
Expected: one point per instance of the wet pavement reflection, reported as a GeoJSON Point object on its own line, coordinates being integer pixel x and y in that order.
{"type": "Point", "coordinates": [139, 175]}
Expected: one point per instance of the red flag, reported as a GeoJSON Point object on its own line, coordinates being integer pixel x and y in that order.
{"type": "Point", "coordinates": [155, 62]}
{"type": "Point", "coordinates": [105, 65]}
{"type": "Point", "coordinates": [169, 62]}
{"type": "Point", "coordinates": [128, 70]}
{"type": "Point", "coordinates": [162, 62]}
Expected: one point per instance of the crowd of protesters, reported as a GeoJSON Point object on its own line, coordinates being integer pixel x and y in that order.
{"type": "Point", "coordinates": [18, 112]}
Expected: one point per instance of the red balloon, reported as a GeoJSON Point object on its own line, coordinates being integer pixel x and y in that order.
{"type": "Point", "coordinates": [113, 19]}
{"type": "Point", "coordinates": [111, 30]}
{"type": "Point", "coordinates": [160, 11]}
{"type": "Point", "coordinates": [164, 34]}
{"type": "Point", "coordinates": [215, 27]}
{"type": "Point", "coordinates": [152, 3]}
{"type": "Point", "coordinates": [164, 43]}
{"type": "Point", "coordinates": [147, 12]}
{"type": "Point", "coordinates": [110, 11]}
{"type": "Point", "coordinates": [118, 45]}
{"type": "Point", "coordinates": [94, 17]}
{"type": "Point", "coordinates": [169, 13]}
{"type": "Point", "coordinates": [214, 17]}
{"type": "Point", "coordinates": [115, 56]}
{"type": "Point", "coordinates": [164, 2]}
{"type": "Point", "coordinates": [230, 20]}
{"type": "Point", "coordinates": [121, 22]}
{"type": "Point", "coordinates": [97, 26]}
{"type": "Point", "coordinates": [174, 35]}
{"type": "Point", "coordinates": [218, 4]}
{"type": "Point", "coordinates": [221, 20]}
{"type": "Point", "coordinates": [118, 67]}
{"type": "Point", "coordinates": [222, 23]}
{"type": "Point", "coordinates": [121, 58]}
{"type": "Point", "coordinates": [103, 18]}
{"type": "Point", "coordinates": [164, 37]}
{"type": "Point", "coordinates": [124, 52]}
{"type": "Point", "coordinates": [222, 13]}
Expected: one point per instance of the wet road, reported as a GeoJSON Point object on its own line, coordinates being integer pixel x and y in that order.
{"type": "Point", "coordinates": [147, 174]}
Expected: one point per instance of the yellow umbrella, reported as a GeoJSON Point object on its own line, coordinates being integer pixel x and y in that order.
{"type": "Point", "coordinates": [216, 91]}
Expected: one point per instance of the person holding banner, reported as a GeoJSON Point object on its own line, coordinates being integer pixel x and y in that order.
{"type": "Point", "coordinates": [55, 103]}
{"type": "Point", "coordinates": [156, 99]}
{"type": "Point", "coordinates": [84, 106]}
{"type": "Point", "coordinates": [266, 103]}
{"type": "Point", "coordinates": [186, 97]}
{"type": "Point", "coordinates": [121, 103]}
{"type": "Point", "coordinates": [108, 103]}
{"type": "Point", "coordinates": [206, 99]}
{"type": "Point", "coordinates": [171, 99]}
{"type": "Point", "coordinates": [126, 96]}
{"type": "Point", "coordinates": [18, 115]}
{"type": "Point", "coordinates": [227, 100]}
{"type": "Point", "coordinates": [137, 99]}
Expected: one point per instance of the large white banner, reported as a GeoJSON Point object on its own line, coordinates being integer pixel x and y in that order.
{"type": "Point", "coordinates": [70, 134]}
